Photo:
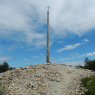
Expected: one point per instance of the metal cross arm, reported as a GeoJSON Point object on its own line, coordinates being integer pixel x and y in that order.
{"type": "Point", "coordinates": [48, 8]}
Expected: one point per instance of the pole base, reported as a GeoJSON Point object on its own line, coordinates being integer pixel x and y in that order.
{"type": "Point", "coordinates": [49, 63]}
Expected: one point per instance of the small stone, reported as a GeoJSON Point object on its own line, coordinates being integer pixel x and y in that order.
{"type": "Point", "coordinates": [46, 75]}
{"type": "Point", "coordinates": [70, 65]}
{"type": "Point", "coordinates": [1, 78]}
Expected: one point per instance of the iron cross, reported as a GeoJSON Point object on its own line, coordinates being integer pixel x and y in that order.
{"type": "Point", "coordinates": [48, 8]}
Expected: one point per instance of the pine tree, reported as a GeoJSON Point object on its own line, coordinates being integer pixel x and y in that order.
{"type": "Point", "coordinates": [5, 66]}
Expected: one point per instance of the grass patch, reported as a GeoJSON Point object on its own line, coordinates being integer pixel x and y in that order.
{"type": "Point", "coordinates": [89, 83]}
{"type": "Point", "coordinates": [2, 90]}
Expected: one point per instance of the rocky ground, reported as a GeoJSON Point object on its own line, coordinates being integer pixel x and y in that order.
{"type": "Point", "coordinates": [45, 79]}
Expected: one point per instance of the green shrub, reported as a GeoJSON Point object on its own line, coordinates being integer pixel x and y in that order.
{"type": "Point", "coordinates": [5, 67]}
{"type": "Point", "coordinates": [11, 68]}
{"type": "Point", "coordinates": [1, 69]}
{"type": "Point", "coordinates": [2, 90]}
{"type": "Point", "coordinates": [89, 64]}
{"type": "Point", "coordinates": [89, 83]}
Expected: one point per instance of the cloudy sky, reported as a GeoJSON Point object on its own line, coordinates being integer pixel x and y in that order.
{"type": "Point", "coordinates": [23, 28]}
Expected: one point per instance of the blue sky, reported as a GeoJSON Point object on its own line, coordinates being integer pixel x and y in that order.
{"type": "Point", "coordinates": [23, 29]}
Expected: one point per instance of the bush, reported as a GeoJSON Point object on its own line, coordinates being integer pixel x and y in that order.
{"type": "Point", "coordinates": [1, 68]}
{"type": "Point", "coordinates": [80, 66]}
{"type": "Point", "coordinates": [89, 64]}
{"type": "Point", "coordinates": [89, 82]}
{"type": "Point", "coordinates": [11, 68]}
{"type": "Point", "coordinates": [2, 90]}
{"type": "Point", "coordinates": [5, 67]}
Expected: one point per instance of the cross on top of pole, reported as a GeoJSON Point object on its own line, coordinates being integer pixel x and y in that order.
{"type": "Point", "coordinates": [48, 8]}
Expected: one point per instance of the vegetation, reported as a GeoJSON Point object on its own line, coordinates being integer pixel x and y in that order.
{"type": "Point", "coordinates": [5, 67]}
{"type": "Point", "coordinates": [89, 64]}
{"type": "Point", "coordinates": [89, 82]}
{"type": "Point", "coordinates": [2, 90]}
{"type": "Point", "coordinates": [11, 68]}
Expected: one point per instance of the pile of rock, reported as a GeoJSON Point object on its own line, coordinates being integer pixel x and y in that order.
{"type": "Point", "coordinates": [28, 80]}
{"type": "Point", "coordinates": [37, 80]}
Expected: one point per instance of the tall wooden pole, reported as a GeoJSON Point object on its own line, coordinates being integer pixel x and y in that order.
{"type": "Point", "coordinates": [48, 35]}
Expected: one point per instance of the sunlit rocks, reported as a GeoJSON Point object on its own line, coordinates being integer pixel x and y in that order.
{"type": "Point", "coordinates": [44, 79]}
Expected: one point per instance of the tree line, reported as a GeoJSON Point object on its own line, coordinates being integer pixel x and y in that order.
{"type": "Point", "coordinates": [89, 64]}
{"type": "Point", "coordinates": [5, 67]}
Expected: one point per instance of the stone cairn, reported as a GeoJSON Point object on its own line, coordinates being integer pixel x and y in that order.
{"type": "Point", "coordinates": [32, 80]}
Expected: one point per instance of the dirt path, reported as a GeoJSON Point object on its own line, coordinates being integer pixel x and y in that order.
{"type": "Point", "coordinates": [70, 79]}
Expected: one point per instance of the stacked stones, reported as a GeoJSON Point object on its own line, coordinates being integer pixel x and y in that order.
{"type": "Point", "coordinates": [28, 81]}
{"type": "Point", "coordinates": [37, 79]}
{"type": "Point", "coordinates": [78, 84]}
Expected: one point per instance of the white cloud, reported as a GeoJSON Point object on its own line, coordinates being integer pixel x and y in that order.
{"type": "Point", "coordinates": [23, 20]}
{"type": "Point", "coordinates": [88, 54]}
{"type": "Point", "coordinates": [35, 57]}
{"type": "Point", "coordinates": [77, 54]}
{"type": "Point", "coordinates": [17, 22]}
{"type": "Point", "coordinates": [74, 16]}
{"type": "Point", "coordinates": [2, 59]}
{"type": "Point", "coordinates": [81, 55]}
{"type": "Point", "coordinates": [26, 60]}
{"type": "Point", "coordinates": [5, 58]}
{"type": "Point", "coordinates": [40, 43]}
{"type": "Point", "coordinates": [74, 63]}
{"type": "Point", "coordinates": [68, 58]}
{"type": "Point", "coordinates": [86, 40]}
{"type": "Point", "coordinates": [55, 61]}
{"type": "Point", "coordinates": [73, 57]}
{"type": "Point", "coordinates": [91, 54]}
{"type": "Point", "coordinates": [69, 47]}
{"type": "Point", "coordinates": [62, 59]}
